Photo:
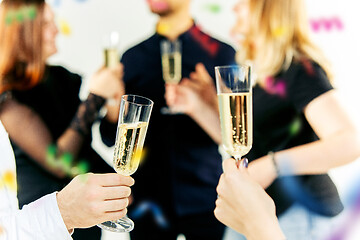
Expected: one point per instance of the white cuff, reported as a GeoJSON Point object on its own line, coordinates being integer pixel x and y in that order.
{"type": "Point", "coordinates": [47, 218]}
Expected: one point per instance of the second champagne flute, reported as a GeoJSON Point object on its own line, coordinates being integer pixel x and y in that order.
{"type": "Point", "coordinates": [171, 65]}
{"type": "Point", "coordinates": [235, 104]}
{"type": "Point", "coordinates": [133, 121]}
{"type": "Point", "coordinates": [111, 44]}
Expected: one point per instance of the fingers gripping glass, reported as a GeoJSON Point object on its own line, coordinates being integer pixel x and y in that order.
{"type": "Point", "coordinates": [130, 136]}
{"type": "Point", "coordinates": [235, 104]}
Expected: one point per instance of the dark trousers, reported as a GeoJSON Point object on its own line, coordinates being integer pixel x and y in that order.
{"type": "Point", "coordinates": [93, 233]}
{"type": "Point", "coordinates": [194, 227]}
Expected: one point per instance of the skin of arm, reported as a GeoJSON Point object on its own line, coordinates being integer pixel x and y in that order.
{"type": "Point", "coordinates": [196, 96]}
{"type": "Point", "coordinates": [184, 99]}
{"type": "Point", "coordinates": [339, 143]}
{"type": "Point", "coordinates": [244, 206]}
{"type": "Point", "coordinates": [201, 82]}
{"type": "Point", "coordinates": [113, 106]}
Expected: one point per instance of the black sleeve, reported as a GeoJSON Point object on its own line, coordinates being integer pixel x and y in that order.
{"type": "Point", "coordinates": [227, 55]}
{"type": "Point", "coordinates": [108, 132]}
{"type": "Point", "coordinates": [305, 83]}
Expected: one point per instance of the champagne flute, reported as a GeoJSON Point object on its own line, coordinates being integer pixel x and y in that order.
{"type": "Point", "coordinates": [171, 64]}
{"type": "Point", "coordinates": [111, 48]}
{"type": "Point", "coordinates": [235, 104]}
{"type": "Point", "coordinates": [132, 126]}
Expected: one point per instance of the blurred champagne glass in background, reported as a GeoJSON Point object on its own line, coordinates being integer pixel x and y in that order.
{"type": "Point", "coordinates": [111, 44]}
{"type": "Point", "coordinates": [171, 64]}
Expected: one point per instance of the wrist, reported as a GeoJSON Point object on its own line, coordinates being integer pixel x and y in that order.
{"type": "Point", "coordinates": [87, 113]}
{"type": "Point", "coordinates": [198, 109]}
{"type": "Point", "coordinates": [275, 165]}
{"type": "Point", "coordinates": [269, 230]}
{"type": "Point", "coordinates": [64, 212]}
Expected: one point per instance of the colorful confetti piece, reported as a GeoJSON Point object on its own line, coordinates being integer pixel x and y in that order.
{"type": "Point", "coordinates": [309, 68]}
{"type": "Point", "coordinates": [213, 8]}
{"type": "Point", "coordinates": [2, 230]}
{"type": "Point", "coordinates": [279, 32]}
{"type": "Point", "coordinates": [23, 14]}
{"type": "Point", "coordinates": [326, 24]}
{"type": "Point", "coordinates": [295, 127]}
{"type": "Point", "coordinates": [57, 3]}
{"type": "Point", "coordinates": [148, 206]}
{"type": "Point", "coordinates": [66, 162]}
{"type": "Point", "coordinates": [9, 180]}
{"type": "Point", "coordinates": [65, 28]}
{"type": "Point", "coordinates": [31, 12]}
{"type": "Point", "coordinates": [162, 29]}
{"type": "Point", "coordinates": [275, 86]}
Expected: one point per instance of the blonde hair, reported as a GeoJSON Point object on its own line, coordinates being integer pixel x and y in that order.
{"type": "Point", "coordinates": [279, 35]}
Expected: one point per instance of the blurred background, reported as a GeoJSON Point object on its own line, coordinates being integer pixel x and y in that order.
{"type": "Point", "coordinates": [334, 25]}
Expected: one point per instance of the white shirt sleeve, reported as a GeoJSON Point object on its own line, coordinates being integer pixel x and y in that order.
{"type": "Point", "coordinates": [39, 220]}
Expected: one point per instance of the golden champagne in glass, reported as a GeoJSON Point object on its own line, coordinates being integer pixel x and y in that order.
{"type": "Point", "coordinates": [235, 105]}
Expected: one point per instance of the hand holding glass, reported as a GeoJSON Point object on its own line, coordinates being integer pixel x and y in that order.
{"type": "Point", "coordinates": [235, 105]}
{"type": "Point", "coordinates": [132, 126]}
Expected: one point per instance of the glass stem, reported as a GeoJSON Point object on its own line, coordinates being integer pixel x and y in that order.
{"type": "Point", "coordinates": [237, 160]}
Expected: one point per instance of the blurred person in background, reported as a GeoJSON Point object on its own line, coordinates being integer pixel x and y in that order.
{"type": "Point", "coordinates": [181, 159]}
{"type": "Point", "coordinates": [40, 105]}
{"type": "Point", "coordinates": [301, 130]}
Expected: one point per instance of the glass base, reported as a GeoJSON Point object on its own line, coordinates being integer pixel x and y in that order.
{"type": "Point", "coordinates": [124, 224]}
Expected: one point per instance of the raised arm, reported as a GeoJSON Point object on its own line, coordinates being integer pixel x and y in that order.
{"type": "Point", "coordinates": [184, 99]}
{"type": "Point", "coordinates": [339, 143]}
{"type": "Point", "coordinates": [30, 133]}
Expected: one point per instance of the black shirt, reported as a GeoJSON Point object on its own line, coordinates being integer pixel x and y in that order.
{"type": "Point", "coordinates": [182, 164]}
{"type": "Point", "coordinates": [279, 123]}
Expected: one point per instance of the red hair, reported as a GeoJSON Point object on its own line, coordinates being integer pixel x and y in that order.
{"type": "Point", "coordinates": [21, 60]}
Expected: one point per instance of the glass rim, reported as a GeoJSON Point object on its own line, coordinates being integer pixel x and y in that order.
{"type": "Point", "coordinates": [233, 66]}
{"type": "Point", "coordinates": [151, 102]}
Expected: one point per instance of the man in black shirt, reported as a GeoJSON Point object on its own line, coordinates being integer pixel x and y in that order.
{"type": "Point", "coordinates": [181, 160]}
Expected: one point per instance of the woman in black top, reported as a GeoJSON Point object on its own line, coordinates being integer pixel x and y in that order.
{"type": "Point", "coordinates": [40, 105]}
{"type": "Point", "coordinates": [300, 127]}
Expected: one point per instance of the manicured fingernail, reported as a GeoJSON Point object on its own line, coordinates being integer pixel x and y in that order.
{"type": "Point", "coordinates": [245, 162]}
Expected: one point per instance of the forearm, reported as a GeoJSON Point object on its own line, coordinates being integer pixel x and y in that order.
{"type": "Point", "coordinates": [208, 119]}
{"type": "Point", "coordinates": [321, 156]}
{"type": "Point", "coordinates": [80, 127]}
{"type": "Point", "coordinates": [312, 158]}
{"type": "Point", "coordinates": [113, 109]}
{"type": "Point", "coordinates": [269, 231]}
{"type": "Point", "coordinates": [71, 141]}
{"type": "Point", "coordinates": [29, 132]}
